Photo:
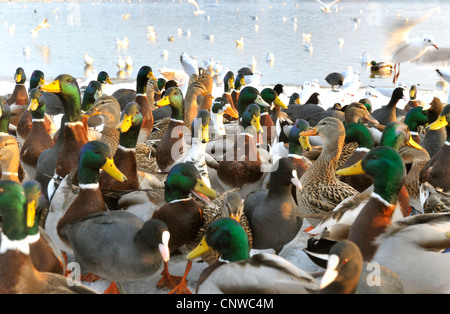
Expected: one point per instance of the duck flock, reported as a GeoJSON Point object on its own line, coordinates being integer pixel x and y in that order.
{"type": "Point", "coordinates": [115, 187]}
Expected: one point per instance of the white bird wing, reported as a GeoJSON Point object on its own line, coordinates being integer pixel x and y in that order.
{"type": "Point", "coordinates": [436, 57]}
{"type": "Point", "coordinates": [332, 3]}
{"type": "Point", "coordinates": [321, 3]}
{"type": "Point", "coordinates": [398, 32]}
{"type": "Point", "coordinates": [445, 75]}
{"type": "Point", "coordinates": [189, 65]}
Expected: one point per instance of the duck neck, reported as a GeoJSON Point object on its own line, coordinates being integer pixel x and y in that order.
{"type": "Point", "coordinates": [356, 132]}
{"type": "Point", "coordinates": [4, 123]}
{"type": "Point", "coordinates": [130, 138]}
{"type": "Point", "coordinates": [171, 194]}
{"type": "Point", "coordinates": [217, 121]}
{"type": "Point", "coordinates": [295, 148]}
{"type": "Point", "coordinates": [88, 177]}
{"type": "Point", "coordinates": [141, 85]}
{"type": "Point", "coordinates": [235, 252]}
{"type": "Point", "coordinates": [72, 106]}
{"type": "Point", "coordinates": [177, 113]}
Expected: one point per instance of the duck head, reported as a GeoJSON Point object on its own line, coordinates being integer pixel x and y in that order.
{"type": "Point", "coordinates": [226, 236]}
{"type": "Point", "coordinates": [37, 104]}
{"type": "Point", "coordinates": [297, 142]}
{"type": "Point", "coordinates": [66, 87]}
{"type": "Point", "coordinates": [251, 119]}
{"type": "Point", "coordinates": [396, 134]}
{"type": "Point", "coordinates": [5, 115]}
{"type": "Point", "coordinates": [386, 167]}
{"type": "Point", "coordinates": [294, 99]}
{"type": "Point", "coordinates": [37, 79]}
{"type": "Point", "coordinates": [130, 117]}
{"type": "Point", "coordinates": [19, 76]}
{"type": "Point", "coordinates": [221, 106]}
{"type": "Point", "coordinates": [95, 155]}
{"type": "Point", "coordinates": [239, 82]}
{"type": "Point", "coordinates": [233, 206]}
{"type": "Point", "coordinates": [103, 78]}
{"type": "Point", "coordinates": [228, 81]}
{"type": "Point", "coordinates": [442, 121]}
{"type": "Point", "coordinates": [91, 94]}
{"type": "Point", "coordinates": [145, 74]}
{"type": "Point", "coordinates": [415, 117]}
{"type": "Point", "coordinates": [35, 202]}
{"type": "Point", "coordinates": [269, 95]}
{"type": "Point", "coordinates": [200, 126]}
{"type": "Point", "coordinates": [173, 97]}
{"type": "Point", "coordinates": [357, 112]}
{"type": "Point", "coordinates": [249, 95]}
{"type": "Point", "coordinates": [183, 179]}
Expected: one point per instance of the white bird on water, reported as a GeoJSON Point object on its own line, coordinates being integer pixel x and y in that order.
{"type": "Point", "coordinates": [326, 6]}
{"type": "Point", "coordinates": [198, 11]}
{"type": "Point", "coordinates": [419, 50]}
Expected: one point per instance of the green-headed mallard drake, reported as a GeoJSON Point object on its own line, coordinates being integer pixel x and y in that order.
{"type": "Point", "coordinates": [298, 144]}
{"type": "Point", "coordinates": [69, 209]}
{"type": "Point", "coordinates": [18, 100]}
{"type": "Point", "coordinates": [322, 191]}
{"type": "Point", "coordinates": [228, 86]}
{"type": "Point", "coordinates": [347, 273]}
{"type": "Point", "coordinates": [237, 272]}
{"type": "Point", "coordinates": [434, 177]}
{"type": "Point", "coordinates": [75, 133]}
{"type": "Point", "coordinates": [18, 272]}
{"type": "Point", "coordinates": [124, 96]}
{"type": "Point", "coordinates": [219, 108]}
{"type": "Point", "coordinates": [182, 214]}
{"type": "Point", "coordinates": [377, 214]}
{"type": "Point", "coordinates": [44, 254]}
{"type": "Point", "coordinates": [103, 78]}
{"type": "Point", "coordinates": [229, 204]}
{"type": "Point", "coordinates": [413, 102]}
{"type": "Point", "coordinates": [270, 96]}
{"type": "Point", "coordinates": [92, 92]}
{"type": "Point", "coordinates": [192, 100]}
{"type": "Point", "coordinates": [39, 138]}
{"type": "Point", "coordinates": [336, 225]}
{"type": "Point", "coordinates": [248, 95]}
{"type": "Point", "coordinates": [242, 166]}
{"type": "Point", "coordinates": [54, 106]}
{"type": "Point", "coordinates": [415, 118]}
{"type": "Point", "coordinates": [239, 84]}
{"type": "Point", "coordinates": [172, 147]}
{"type": "Point", "coordinates": [390, 112]}
{"type": "Point", "coordinates": [274, 211]}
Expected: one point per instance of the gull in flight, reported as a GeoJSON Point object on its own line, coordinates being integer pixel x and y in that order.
{"type": "Point", "coordinates": [198, 11]}
{"type": "Point", "coordinates": [326, 7]}
{"type": "Point", "coordinates": [400, 47]}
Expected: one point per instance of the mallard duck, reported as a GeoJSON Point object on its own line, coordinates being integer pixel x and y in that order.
{"type": "Point", "coordinates": [18, 272]}
{"type": "Point", "coordinates": [205, 101]}
{"type": "Point", "coordinates": [124, 96]}
{"type": "Point", "coordinates": [103, 78]}
{"type": "Point", "coordinates": [182, 214]}
{"type": "Point", "coordinates": [54, 106]}
{"type": "Point", "coordinates": [237, 272]}
{"type": "Point", "coordinates": [38, 139]}
{"type": "Point", "coordinates": [378, 211]}
{"type": "Point", "coordinates": [172, 147]}
{"type": "Point", "coordinates": [415, 118]}
{"type": "Point", "coordinates": [228, 85]}
{"type": "Point", "coordinates": [242, 166]}
{"type": "Point", "coordinates": [75, 133]}
{"type": "Point", "coordinates": [249, 95]}
{"type": "Point", "coordinates": [219, 108]}
{"type": "Point", "coordinates": [413, 102]}
{"type": "Point", "coordinates": [5, 116]}
{"type": "Point", "coordinates": [18, 100]}
{"type": "Point", "coordinates": [274, 211]}
{"type": "Point", "coordinates": [311, 106]}
{"type": "Point", "coordinates": [68, 209]}
{"type": "Point", "coordinates": [45, 256]}
{"type": "Point", "coordinates": [434, 140]}
{"type": "Point", "coordinates": [107, 110]}
{"type": "Point", "coordinates": [270, 96]}
{"type": "Point", "coordinates": [192, 102]}
{"type": "Point", "coordinates": [322, 191]}
{"type": "Point", "coordinates": [336, 225]}
{"type": "Point", "coordinates": [239, 84]}
{"type": "Point", "coordinates": [390, 112]}
{"type": "Point", "coordinates": [380, 66]}
{"type": "Point", "coordinates": [434, 176]}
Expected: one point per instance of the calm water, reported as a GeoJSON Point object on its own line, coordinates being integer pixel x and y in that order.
{"type": "Point", "coordinates": [267, 26]}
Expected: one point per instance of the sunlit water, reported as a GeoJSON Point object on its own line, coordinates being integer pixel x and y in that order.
{"type": "Point", "coordinates": [339, 38]}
